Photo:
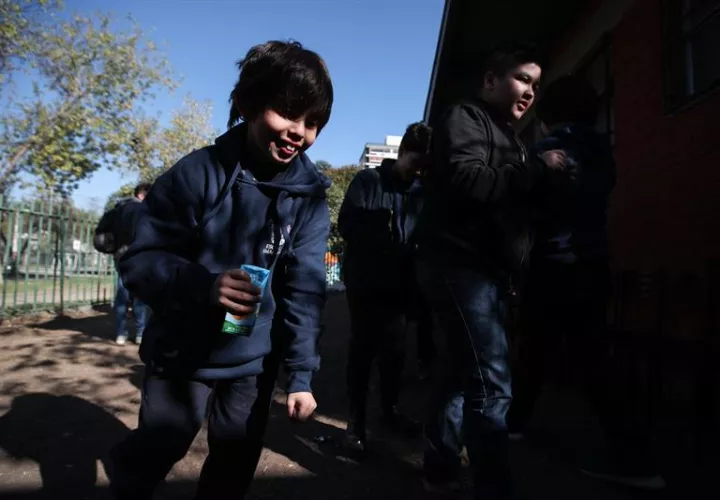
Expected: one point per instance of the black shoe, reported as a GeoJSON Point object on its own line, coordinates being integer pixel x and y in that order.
{"type": "Point", "coordinates": [355, 435]}
{"type": "Point", "coordinates": [355, 439]}
{"type": "Point", "coordinates": [401, 424]}
{"type": "Point", "coordinates": [355, 443]}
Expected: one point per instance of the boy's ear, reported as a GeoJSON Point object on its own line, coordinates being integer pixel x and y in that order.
{"type": "Point", "coordinates": [236, 105]}
{"type": "Point", "coordinates": [489, 80]}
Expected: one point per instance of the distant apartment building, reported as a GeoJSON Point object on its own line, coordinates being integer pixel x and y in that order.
{"type": "Point", "coordinates": [374, 154]}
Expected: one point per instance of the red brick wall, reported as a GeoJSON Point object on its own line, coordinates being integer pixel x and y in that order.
{"type": "Point", "coordinates": [666, 207]}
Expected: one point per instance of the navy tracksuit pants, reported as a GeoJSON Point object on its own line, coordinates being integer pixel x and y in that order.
{"type": "Point", "coordinates": [171, 414]}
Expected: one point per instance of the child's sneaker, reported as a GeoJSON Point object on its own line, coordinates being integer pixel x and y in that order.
{"type": "Point", "coordinates": [121, 339]}
{"type": "Point", "coordinates": [355, 443]}
{"type": "Point", "coordinates": [138, 339]}
{"type": "Point", "coordinates": [355, 435]}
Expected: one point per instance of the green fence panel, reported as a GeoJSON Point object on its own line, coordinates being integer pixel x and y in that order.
{"type": "Point", "coordinates": [48, 259]}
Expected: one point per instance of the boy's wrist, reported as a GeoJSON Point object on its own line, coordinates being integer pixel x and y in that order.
{"type": "Point", "coordinates": [299, 381]}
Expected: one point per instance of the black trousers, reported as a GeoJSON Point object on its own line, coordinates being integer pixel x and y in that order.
{"type": "Point", "coordinates": [421, 313]}
{"type": "Point", "coordinates": [567, 302]}
{"type": "Point", "coordinates": [171, 414]}
{"type": "Point", "coordinates": [378, 323]}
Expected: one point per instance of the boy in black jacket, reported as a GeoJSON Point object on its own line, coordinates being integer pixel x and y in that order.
{"type": "Point", "coordinates": [474, 236]}
{"type": "Point", "coordinates": [377, 221]}
{"type": "Point", "coordinates": [252, 198]}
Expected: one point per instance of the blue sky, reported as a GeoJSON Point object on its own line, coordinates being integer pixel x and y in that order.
{"type": "Point", "coordinates": [379, 52]}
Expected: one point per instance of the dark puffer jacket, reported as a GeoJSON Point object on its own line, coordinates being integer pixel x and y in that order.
{"type": "Point", "coordinates": [477, 212]}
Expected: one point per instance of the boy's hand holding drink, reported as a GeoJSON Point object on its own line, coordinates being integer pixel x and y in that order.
{"type": "Point", "coordinates": [240, 291]}
{"type": "Point", "coordinates": [235, 291]}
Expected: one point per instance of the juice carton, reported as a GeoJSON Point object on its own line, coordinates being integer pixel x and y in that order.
{"type": "Point", "coordinates": [243, 325]}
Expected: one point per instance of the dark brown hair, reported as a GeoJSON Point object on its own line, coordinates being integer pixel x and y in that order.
{"type": "Point", "coordinates": [503, 57]}
{"type": "Point", "coordinates": [284, 77]}
{"type": "Point", "coordinates": [416, 138]}
{"type": "Point", "coordinates": [142, 188]}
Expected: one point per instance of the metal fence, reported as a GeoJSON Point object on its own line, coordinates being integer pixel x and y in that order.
{"type": "Point", "coordinates": [49, 262]}
{"type": "Point", "coordinates": [48, 259]}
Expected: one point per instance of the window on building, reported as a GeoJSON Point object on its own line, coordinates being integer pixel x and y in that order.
{"type": "Point", "coordinates": [691, 38]}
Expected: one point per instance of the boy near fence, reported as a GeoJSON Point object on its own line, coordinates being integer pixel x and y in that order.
{"type": "Point", "coordinates": [377, 221]}
{"type": "Point", "coordinates": [114, 234]}
{"type": "Point", "coordinates": [253, 197]}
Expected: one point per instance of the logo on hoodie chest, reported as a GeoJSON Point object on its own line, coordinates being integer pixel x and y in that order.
{"type": "Point", "coordinates": [271, 248]}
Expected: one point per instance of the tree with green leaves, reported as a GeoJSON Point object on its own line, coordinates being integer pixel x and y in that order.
{"type": "Point", "coordinates": [154, 150]}
{"type": "Point", "coordinates": [20, 29]}
{"type": "Point", "coordinates": [89, 80]}
{"type": "Point", "coordinates": [323, 165]}
{"type": "Point", "coordinates": [341, 178]}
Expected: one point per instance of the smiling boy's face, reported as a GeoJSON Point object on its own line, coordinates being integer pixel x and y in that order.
{"type": "Point", "coordinates": [281, 139]}
{"type": "Point", "coordinates": [513, 93]}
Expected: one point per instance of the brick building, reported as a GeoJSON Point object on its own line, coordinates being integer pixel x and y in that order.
{"type": "Point", "coordinates": [657, 65]}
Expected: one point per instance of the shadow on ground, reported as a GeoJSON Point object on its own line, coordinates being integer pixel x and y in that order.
{"type": "Point", "coordinates": [100, 325]}
{"type": "Point", "coordinates": [69, 393]}
{"type": "Point", "coordinates": [64, 435]}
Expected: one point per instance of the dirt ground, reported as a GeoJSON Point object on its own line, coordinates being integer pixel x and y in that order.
{"type": "Point", "coordinates": [68, 393]}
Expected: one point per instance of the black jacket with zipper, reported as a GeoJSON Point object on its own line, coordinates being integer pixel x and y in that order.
{"type": "Point", "coordinates": [377, 221]}
{"type": "Point", "coordinates": [477, 211]}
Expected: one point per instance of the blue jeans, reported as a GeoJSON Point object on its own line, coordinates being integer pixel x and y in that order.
{"type": "Point", "coordinates": [140, 310]}
{"type": "Point", "coordinates": [474, 391]}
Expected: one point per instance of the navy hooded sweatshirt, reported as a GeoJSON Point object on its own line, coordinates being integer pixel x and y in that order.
{"type": "Point", "coordinates": [377, 220]}
{"type": "Point", "coordinates": [207, 215]}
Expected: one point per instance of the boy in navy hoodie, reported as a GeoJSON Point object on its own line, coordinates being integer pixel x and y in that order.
{"type": "Point", "coordinates": [253, 197]}
{"type": "Point", "coordinates": [377, 220]}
